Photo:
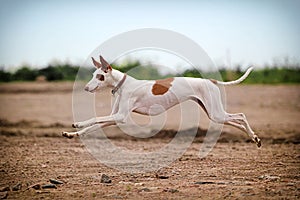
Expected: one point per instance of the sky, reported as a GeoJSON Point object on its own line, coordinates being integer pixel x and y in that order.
{"type": "Point", "coordinates": [39, 32]}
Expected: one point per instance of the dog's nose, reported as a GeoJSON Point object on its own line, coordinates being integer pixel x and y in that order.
{"type": "Point", "coordinates": [86, 88]}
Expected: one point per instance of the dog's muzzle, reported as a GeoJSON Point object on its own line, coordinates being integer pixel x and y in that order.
{"type": "Point", "coordinates": [86, 88]}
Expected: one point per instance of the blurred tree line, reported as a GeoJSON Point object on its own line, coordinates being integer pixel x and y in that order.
{"type": "Point", "coordinates": [66, 72]}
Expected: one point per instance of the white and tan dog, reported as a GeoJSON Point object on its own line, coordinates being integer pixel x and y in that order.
{"type": "Point", "coordinates": [150, 97]}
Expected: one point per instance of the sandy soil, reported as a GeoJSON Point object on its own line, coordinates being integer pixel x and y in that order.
{"type": "Point", "coordinates": [33, 115]}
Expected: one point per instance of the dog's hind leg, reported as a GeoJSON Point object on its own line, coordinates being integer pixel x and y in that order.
{"type": "Point", "coordinates": [236, 125]}
{"type": "Point", "coordinates": [239, 121]}
{"type": "Point", "coordinates": [216, 113]}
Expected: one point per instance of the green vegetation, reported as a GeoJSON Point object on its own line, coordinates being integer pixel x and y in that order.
{"type": "Point", "coordinates": [265, 76]}
{"type": "Point", "coordinates": [62, 72]}
{"type": "Point", "coordinates": [139, 71]}
{"type": "Point", "coordinates": [274, 76]}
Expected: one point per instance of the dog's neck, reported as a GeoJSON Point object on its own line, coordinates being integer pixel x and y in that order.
{"type": "Point", "coordinates": [118, 79]}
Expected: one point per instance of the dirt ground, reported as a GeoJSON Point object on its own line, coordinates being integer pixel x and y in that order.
{"type": "Point", "coordinates": [33, 115]}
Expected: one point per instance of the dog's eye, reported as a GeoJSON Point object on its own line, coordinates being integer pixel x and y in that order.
{"type": "Point", "coordinates": [100, 77]}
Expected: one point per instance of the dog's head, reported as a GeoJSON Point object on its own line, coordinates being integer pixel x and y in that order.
{"type": "Point", "coordinates": [101, 77]}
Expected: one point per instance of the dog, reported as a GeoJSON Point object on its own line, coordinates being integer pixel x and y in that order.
{"type": "Point", "coordinates": [153, 97]}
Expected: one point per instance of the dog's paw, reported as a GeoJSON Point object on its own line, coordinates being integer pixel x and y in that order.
{"type": "Point", "coordinates": [77, 125]}
{"type": "Point", "coordinates": [67, 135]}
{"type": "Point", "coordinates": [257, 141]}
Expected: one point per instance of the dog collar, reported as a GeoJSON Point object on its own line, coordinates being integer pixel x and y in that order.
{"type": "Point", "coordinates": [113, 91]}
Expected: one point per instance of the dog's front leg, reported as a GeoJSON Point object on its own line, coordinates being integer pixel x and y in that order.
{"type": "Point", "coordinates": [86, 130]}
{"type": "Point", "coordinates": [84, 124]}
{"type": "Point", "coordinates": [112, 118]}
{"type": "Point", "coordinates": [92, 121]}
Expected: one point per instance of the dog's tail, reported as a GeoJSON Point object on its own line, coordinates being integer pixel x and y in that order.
{"type": "Point", "coordinates": [233, 82]}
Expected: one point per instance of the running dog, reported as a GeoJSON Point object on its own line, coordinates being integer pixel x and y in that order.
{"type": "Point", "coordinates": [149, 97]}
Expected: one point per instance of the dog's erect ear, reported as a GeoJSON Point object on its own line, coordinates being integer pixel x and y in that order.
{"type": "Point", "coordinates": [105, 66]}
{"type": "Point", "coordinates": [97, 64]}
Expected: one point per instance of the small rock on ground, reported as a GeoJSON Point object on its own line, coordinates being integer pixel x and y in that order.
{"type": "Point", "coordinates": [3, 195]}
{"type": "Point", "coordinates": [17, 187]}
{"type": "Point", "coordinates": [105, 179]}
{"type": "Point", "coordinates": [3, 189]}
{"type": "Point", "coordinates": [145, 190]}
{"type": "Point", "coordinates": [49, 186]}
{"type": "Point", "coordinates": [269, 177]}
{"type": "Point", "coordinates": [171, 190]}
{"type": "Point", "coordinates": [54, 181]}
{"type": "Point", "coordinates": [162, 176]}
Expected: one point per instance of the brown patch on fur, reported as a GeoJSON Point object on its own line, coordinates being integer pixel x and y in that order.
{"type": "Point", "coordinates": [162, 86]}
